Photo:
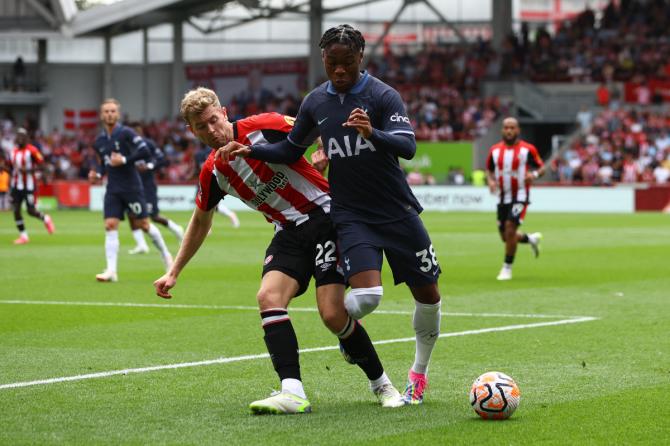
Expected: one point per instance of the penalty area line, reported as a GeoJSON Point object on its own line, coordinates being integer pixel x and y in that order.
{"type": "Point", "coordinates": [265, 355]}
{"type": "Point", "coordinates": [252, 308]}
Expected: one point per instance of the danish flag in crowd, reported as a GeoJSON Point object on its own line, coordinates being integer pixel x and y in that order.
{"type": "Point", "coordinates": [80, 119]}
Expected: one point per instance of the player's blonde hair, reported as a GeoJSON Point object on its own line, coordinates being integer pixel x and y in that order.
{"type": "Point", "coordinates": [196, 101]}
{"type": "Point", "coordinates": [111, 101]}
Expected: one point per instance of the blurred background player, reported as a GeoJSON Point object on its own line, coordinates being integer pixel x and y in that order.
{"type": "Point", "coordinates": [512, 165]}
{"type": "Point", "coordinates": [23, 164]}
{"type": "Point", "coordinates": [364, 127]}
{"type": "Point", "coordinates": [295, 199]}
{"type": "Point", "coordinates": [200, 158]}
{"type": "Point", "coordinates": [119, 147]}
{"type": "Point", "coordinates": [147, 169]}
{"type": "Point", "coordinates": [4, 182]}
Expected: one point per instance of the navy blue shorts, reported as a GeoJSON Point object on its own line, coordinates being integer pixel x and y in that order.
{"type": "Point", "coordinates": [405, 243]}
{"type": "Point", "coordinates": [118, 203]}
{"type": "Point", "coordinates": [151, 196]}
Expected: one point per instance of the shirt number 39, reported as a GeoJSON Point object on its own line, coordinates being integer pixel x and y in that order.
{"type": "Point", "coordinates": [427, 259]}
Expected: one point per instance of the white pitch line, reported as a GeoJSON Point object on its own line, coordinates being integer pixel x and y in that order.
{"type": "Point", "coordinates": [251, 308]}
{"type": "Point", "coordinates": [265, 355]}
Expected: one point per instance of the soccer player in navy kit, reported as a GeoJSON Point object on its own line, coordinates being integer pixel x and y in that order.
{"type": "Point", "coordinates": [147, 169]}
{"type": "Point", "coordinates": [364, 127]}
{"type": "Point", "coordinates": [118, 147]}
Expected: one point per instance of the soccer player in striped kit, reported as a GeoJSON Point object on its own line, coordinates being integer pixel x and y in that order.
{"type": "Point", "coordinates": [295, 199]}
{"type": "Point", "coordinates": [364, 127]}
{"type": "Point", "coordinates": [512, 165]}
{"type": "Point", "coordinates": [24, 161]}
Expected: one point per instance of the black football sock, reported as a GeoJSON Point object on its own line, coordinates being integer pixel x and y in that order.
{"type": "Point", "coordinates": [509, 260]}
{"type": "Point", "coordinates": [524, 238]}
{"type": "Point", "coordinates": [20, 225]}
{"type": "Point", "coordinates": [360, 349]}
{"type": "Point", "coordinates": [281, 342]}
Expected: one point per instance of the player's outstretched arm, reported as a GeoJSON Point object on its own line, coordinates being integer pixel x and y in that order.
{"type": "Point", "coordinates": [197, 230]}
{"type": "Point", "coordinates": [284, 152]}
{"type": "Point", "coordinates": [231, 150]}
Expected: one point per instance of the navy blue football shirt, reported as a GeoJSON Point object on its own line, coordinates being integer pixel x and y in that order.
{"type": "Point", "coordinates": [129, 144]}
{"type": "Point", "coordinates": [366, 181]}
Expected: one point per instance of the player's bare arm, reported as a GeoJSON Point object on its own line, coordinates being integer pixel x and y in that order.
{"type": "Point", "coordinates": [534, 174]}
{"type": "Point", "coordinates": [93, 176]}
{"type": "Point", "coordinates": [197, 230]}
{"type": "Point", "coordinates": [231, 150]}
{"type": "Point", "coordinates": [493, 184]}
{"type": "Point", "coordinates": [359, 120]}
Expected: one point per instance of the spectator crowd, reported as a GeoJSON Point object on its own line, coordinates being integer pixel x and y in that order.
{"type": "Point", "coordinates": [628, 40]}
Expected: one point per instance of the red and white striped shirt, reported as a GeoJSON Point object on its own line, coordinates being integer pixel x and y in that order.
{"type": "Point", "coordinates": [510, 164]}
{"type": "Point", "coordinates": [24, 161]}
{"type": "Point", "coordinates": [283, 193]}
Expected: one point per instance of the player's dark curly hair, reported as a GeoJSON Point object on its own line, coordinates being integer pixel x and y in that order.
{"type": "Point", "coordinates": [344, 34]}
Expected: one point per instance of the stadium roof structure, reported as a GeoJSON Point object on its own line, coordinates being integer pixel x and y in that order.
{"type": "Point", "coordinates": [131, 15]}
{"type": "Point", "coordinates": [38, 18]}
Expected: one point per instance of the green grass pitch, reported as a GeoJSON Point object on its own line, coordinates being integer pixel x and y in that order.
{"type": "Point", "coordinates": [601, 381]}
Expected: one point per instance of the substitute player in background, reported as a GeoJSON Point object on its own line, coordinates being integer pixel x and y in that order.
{"type": "Point", "coordinates": [295, 199]}
{"type": "Point", "coordinates": [147, 169]}
{"type": "Point", "coordinates": [512, 165]}
{"type": "Point", "coordinates": [118, 147]}
{"type": "Point", "coordinates": [23, 164]}
{"type": "Point", "coordinates": [364, 127]}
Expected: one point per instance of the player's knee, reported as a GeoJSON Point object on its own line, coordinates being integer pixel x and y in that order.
{"type": "Point", "coordinates": [334, 318]}
{"type": "Point", "coordinates": [269, 298]}
{"type": "Point", "coordinates": [360, 302]}
{"type": "Point", "coordinates": [111, 226]}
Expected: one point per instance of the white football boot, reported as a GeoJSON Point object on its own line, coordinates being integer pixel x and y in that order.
{"type": "Point", "coordinates": [107, 276]}
{"type": "Point", "coordinates": [388, 396]}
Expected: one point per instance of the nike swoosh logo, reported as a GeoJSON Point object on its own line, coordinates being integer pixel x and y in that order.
{"type": "Point", "coordinates": [321, 121]}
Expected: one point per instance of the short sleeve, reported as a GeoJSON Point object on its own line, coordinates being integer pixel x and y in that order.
{"type": "Point", "coordinates": [394, 114]}
{"type": "Point", "coordinates": [489, 161]}
{"type": "Point", "coordinates": [209, 194]}
{"type": "Point", "coordinates": [535, 160]}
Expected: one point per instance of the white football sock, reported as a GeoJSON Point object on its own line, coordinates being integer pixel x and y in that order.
{"type": "Point", "coordinates": [158, 241]}
{"type": "Point", "coordinates": [294, 386]}
{"type": "Point", "coordinates": [377, 383]}
{"type": "Point", "coordinates": [177, 230]}
{"type": "Point", "coordinates": [111, 249]}
{"type": "Point", "coordinates": [138, 235]}
{"type": "Point", "coordinates": [426, 324]}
